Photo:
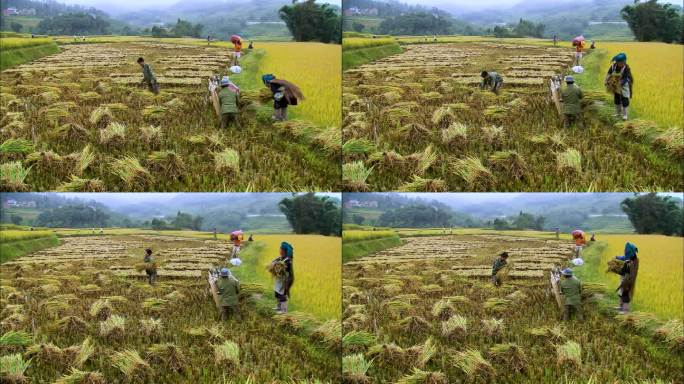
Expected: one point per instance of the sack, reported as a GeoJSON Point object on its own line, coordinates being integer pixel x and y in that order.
{"type": "Point", "coordinates": [578, 69]}
{"type": "Point", "coordinates": [236, 69]}
{"type": "Point", "coordinates": [235, 261]}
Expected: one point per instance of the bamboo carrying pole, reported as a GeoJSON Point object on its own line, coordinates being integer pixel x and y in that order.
{"type": "Point", "coordinates": [555, 277]}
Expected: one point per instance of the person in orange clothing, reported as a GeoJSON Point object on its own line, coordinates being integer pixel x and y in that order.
{"type": "Point", "coordinates": [236, 238]}
{"type": "Point", "coordinates": [580, 242]}
{"type": "Point", "coordinates": [579, 48]}
{"type": "Point", "coordinates": [237, 51]}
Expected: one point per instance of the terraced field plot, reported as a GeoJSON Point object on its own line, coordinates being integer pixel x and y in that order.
{"type": "Point", "coordinates": [81, 121]}
{"type": "Point", "coordinates": [81, 308]}
{"type": "Point", "coordinates": [425, 312]}
{"type": "Point", "coordinates": [417, 121]}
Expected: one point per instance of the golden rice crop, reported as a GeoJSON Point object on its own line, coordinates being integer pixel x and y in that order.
{"type": "Point", "coordinates": [365, 42]}
{"type": "Point", "coordinates": [8, 235]}
{"type": "Point", "coordinates": [349, 236]}
{"type": "Point", "coordinates": [23, 42]}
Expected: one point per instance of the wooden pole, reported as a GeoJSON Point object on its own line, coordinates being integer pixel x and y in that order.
{"type": "Point", "coordinates": [556, 289]}
{"type": "Point", "coordinates": [554, 84]}
{"type": "Point", "coordinates": [214, 292]}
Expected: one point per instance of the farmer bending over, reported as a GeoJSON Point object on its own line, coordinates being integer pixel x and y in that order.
{"type": "Point", "coordinates": [151, 269]}
{"type": "Point", "coordinates": [491, 80]}
{"type": "Point", "coordinates": [619, 80]}
{"type": "Point", "coordinates": [229, 99]}
{"type": "Point", "coordinates": [571, 97]}
{"type": "Point", "coordinates": [284, 94]}
{"type": "Point", "coordinates": [499, 263]}
{"type": "Point", "coordinates": [148, 76]}
{"type": "Point", "coordinates": [228, 288]}
{"type": "Point", "coordinates": [628, 275]}
{"type": "Point", "coordinates": [571, 290]}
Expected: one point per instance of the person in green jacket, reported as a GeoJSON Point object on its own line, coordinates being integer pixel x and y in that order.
{"type": "Point", "coordinates": [228, 288]}
{"type": "Point", "coordinates": [229, 98]}
{"type": "Point", "coordinates": [571, 97]}
{"type": "Point", "coordinates": [571, 291]}
{"type": "Point", "coordinates": [148, 77]}
{"type": "Point", "coordinates": [499, 263]}
{"type": "Point", "coordinates": [491, 80]}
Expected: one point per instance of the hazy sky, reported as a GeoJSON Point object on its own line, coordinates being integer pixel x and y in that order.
{"type": "Point", "coordinates": [136, 4]}
{"type": "Point", "coordinates": [137, 198]}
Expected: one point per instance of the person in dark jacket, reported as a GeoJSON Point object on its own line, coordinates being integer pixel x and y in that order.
{"type": "Point", "coordinates": [628, 275]}
{"type": "Point", "coordinates": [284, 283]}
{"type": "Point", "coordinates": [571, 97]}
{"type": "Point", "coordinates": [491, 80]}
{"type": "Point", "coordinates": [148, 76]}
{"type": "Point", "coordinates": [619, 80]}
{"type": "Point", "coordinates": [284, 94]}
{"type": "Point", "coordinates": [229, 99]}
{"type": "Point", "coordinates": [571, 291]}
{"type": "Point", "coordinates": [499, 263]}
{"type": "Point", "coordinates": [151, 268]}
{"type": "Point", "coordinates": [228, 288]}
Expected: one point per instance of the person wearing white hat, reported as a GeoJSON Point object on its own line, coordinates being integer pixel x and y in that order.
{"type": "Point", "coordinates": [229, 99]}
{"type": "Point", "coordinates": [571, 291]}
{"type": "Point", "coordinates": [571, 97]}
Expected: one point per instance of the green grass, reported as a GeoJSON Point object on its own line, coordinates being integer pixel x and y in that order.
{"type": "Point", "coordinates": [14, 249]}
{"type": "Point", "coordinates": [13, 57]}
{"type": "Point", "coordinates": [357, 249]}
{"type": "Point", "coordinates": [28, 215]}
{"type": "Point", "coordinates": [369, 23]}
{"type": "Point", "coordinates": [28, 23]}
{"type": "Point", "coordinates": [356, 57]}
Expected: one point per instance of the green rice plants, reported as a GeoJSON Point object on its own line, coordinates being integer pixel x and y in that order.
{"type": "Point", "coordinates": [569, 354]}
{"type": "Point", "coordinates": [330, 332]}
{"type": "Point", "coordinates": [76, 376]}
{"type": "Point", "coordinates": [517, 295]}
{"type": "Point", "coordinates": [46, 353]}
{"type": "Point", "coordinates": [443, 116]}
{"type": "Point", "coordinates": [101, 116]}
{"type": "Point", "coordinates": [89, 96]}
{"type": "Point", "coordinates": [45, 160]}
{"type": "Point", "coordinates": [555, 141]}
{"type": "Point", "coordinates": [672, 333]}
{"type": "Point", "coordinates": [227, 161]}
{"type": "Point", "coordinates": [113, 135]}
{"type": "Point", "coordinates": [151, 327]}
{"type": "Point", "coordinates": [355, 367]}
{"type": "Point", "coordinates": [471, 170]}
{"type": "Point", "coordinates": [16, 147]}
{"type": "Point", "coordinates": [496, 112]}
{"type": "Point", "coordinates": [636, 320]}
{"type": "Point", "coordinates": [555, 333]}
{"type": "Point", "coordinates": [423, 377]}
{"type": "Point", "coordinates": [13, 367]}
{"type": "Point", "coordinates": [296, 321]}
{"type": "Point", "coordinates": [15, 338]}
{"type": "Point", "coordinates": [227, 353]}
{"type": "Point", "coordinates": [569, 161]}
{"type": "Point", "coordinates": [354, 176]}
{"type": "Point", "coordinates": [455, 133]}
{"type": "Point", "coordinates": [509, 162]}
{"type": "Point", "coordinates": [429, 97]}
{"type": "Point", "coordinates": [151, 135]}
{"type": "Point", "coordinates": [615, 266]}
{"type": "Point", "coordinates": [175, 103]}
{"type": "Point", "coordinates": [134, 175]}
{"type": "Point", "coordinates": [356, 146]}
{"type": "Point", "coordinates": [474, 365]}
{"type": "Point", "coordinates": [422, 354]}
{"type": "Point", "coordinates": [77, 184]}
{"type": "Point", "coordinates": [492, 327]}
{"type": "Point", "coordinates": [14, 321]}
{"type": "Point", "coordinates": [455, 326]}
{"type": "Point", "coordinates": [415, 324]}
{"type": "Point", "coordinates": [83, 352]}
{"type": "Point", "coordinates": [496, 304]}
{"type": "Point", "coordinates": [154, 112]}
{"type": "Point", "coordinates": [672, 139]}
{"type": "Point", "coordinates": [330, 139]}
{"type": "Point", "coordinates": [154, 304]}
{"type": "Point", "coordinates": [168, 163]}
{"type": "Point", "coordinates": [168, 355]}
{"type": "Point", "coordinates": [413, 131]}
{"type": "Point", "coordinates": [49, 97]}
{"type": "Point", "coordinates": [637, 128]}
{"type": "Point", "coordinates": [509, 354]}
{"type": "Point", "coordinates": [71, 131]}
{"type": "Point", "coordinates": [419, 184]}
{"type": "Point", "coordinates": [72, 325]}
{"type": "Point", "coordinates": [133, 367]}
{"type": "Point", "coordinates": [388, 354]}
{"type": "Point", "coordinates": [114, 327]}
{"type": "Point", "coordinates": [443, 309]}
{"type": "Point", "coordinates": [101, 309]}
{"type": "Point", "coordinates": [357, 339]}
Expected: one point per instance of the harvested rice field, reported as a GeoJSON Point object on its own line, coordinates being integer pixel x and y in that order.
{"type": "Point", "coordinates": [426, 312]}
{"type": "Point", "coordinates": [80, 120]}
{"type": "Point", "coordinates": [84, 310]}
{"type": "Point", "coordinates": [418, 122]}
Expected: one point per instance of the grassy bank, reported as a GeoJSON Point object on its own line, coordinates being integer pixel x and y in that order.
{"type": "Point", "coordinates": [13, 57]}
{"type": "Point", "coordinates": [354, 250]}
{"type": "Point", "coordinates": [356, 57]}
{"type": "Point", "coordinates": [13, 249]}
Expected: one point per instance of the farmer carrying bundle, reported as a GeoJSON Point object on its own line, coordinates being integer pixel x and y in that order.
{"type": "Point", "coordinates": [578, 43]}
{"type": "Point", "coordinates": [580, 242]}
{"type": "Point", "coordinates": [284, 93]}
{"type": "Point", "coordinates": [619, 82]}
{"type": "Point", "coordinates": [150, 266]}
{"type": "Point", "coordinates": [237, 49]}
{"type": "Point", "coordinates": [283, 273]}
{"type": "Point", "coordinates": [628, 275]}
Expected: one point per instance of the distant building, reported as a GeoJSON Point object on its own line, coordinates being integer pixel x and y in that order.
{"type": "Point", "coordinates": [11, 203]}
{"type": "Point", "coordinates": [355, 11]}
{"type": "Point", "coordinates": [11, 11]}
{"type": "Point", "coordinates": [26, 12]}
{"type": "Point", "coordinates": [360, 204]}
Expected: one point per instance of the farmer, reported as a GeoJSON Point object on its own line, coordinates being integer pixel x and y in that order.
{"type": "Point", "coordinates": [151, 270]}
{"type": "Point", "coordinates": [619, 80]}
{"type": "Point", "coordinates": [499, 263]}
{"type": "Point", "coordinates": [555, 39]}
{"type": "Point", "coordinates": [237, 51]}
{"type": "Point", "coordinates": [229, 99]}
{"type": "Point", "coordinates": [571, 290]}
{"type": "Point", "coordinates": [283, 282]}
{"type": "Point", "coordinates": [571, 97]}
{"type": "Point", "coordinates": [284, 94]}
{"type": "Point", "coordinates": [593, 237]}
{"type": "Point", "coordinates": [557, 233]}
{"type": "Point", "coordinates": [628, 275]}
{"type": "Point", "coordinates": [148, 76]}
{"type": "Point", "coordinates": [228, 288]}
{"type": "Point", "coordinates": [236, 238]}
{"type": "Point", "coordinates": [580, 241]}
{"type": "Point", "coordinates": [208, 39]}
{"type": "Point", "coordinates": [593, 45]}
{"type": "Point", "coordinates": [251, 45]}
{"type": "Point", "coordinates": [251, 238]}
{"type": "Point", "coordinates": [491, 80]}
{"type": "Point", "coordinates": [579, 47]}
{"type": "Point", "coordinates": [215, 233]}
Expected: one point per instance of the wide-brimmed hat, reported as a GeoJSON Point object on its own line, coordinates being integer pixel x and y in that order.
{"type": "Point", "coordinates": [567, 272]}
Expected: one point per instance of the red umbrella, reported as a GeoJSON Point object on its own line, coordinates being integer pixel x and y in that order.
{"type": "Point", "coordinates": [235, 39]}
{"type": "Point", "coordinates": [577, 39]}
{"type": "Point", "coordinates": [577, 233]}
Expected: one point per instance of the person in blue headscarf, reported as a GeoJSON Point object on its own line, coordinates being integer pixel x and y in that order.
{"type": "Point", "coordinates": [619, 80]}
{"type": "Point", "coordinates": [628, 275]}
{"type": "Point", "coordinates": [284, 281]}
{"type": "Point", "coordinates": [284, 94]}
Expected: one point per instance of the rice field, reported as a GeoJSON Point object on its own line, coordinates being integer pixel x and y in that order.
{"type": "Point", "coordinates": [365, 42]}
{"type": "Point", "coordinates": [21, 42]}
{"type": "Point", "coordinates": [7, 235]}
{"type": "Point", "coordinates": [349, 236]}
{"type": "Point", "coordinates": [71, 313]}
{"type": "Point", "coordinates": [80, 120]}
{"type": "Point", "coordinates": [426, 312]}
{"type": "Point", "coordinates": [660, 271]}
{"type": "Point", "coordinates": [418, 122]}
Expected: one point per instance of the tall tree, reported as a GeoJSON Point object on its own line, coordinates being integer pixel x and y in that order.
{"type": "Point", "coordinates": [308, 21]}
{"type": "Point", "coordinates": [651, 213]}
{"type": "Point", "coordinates": [308, 213]}
{"type": "Point", "coordinates": [653, 21]}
